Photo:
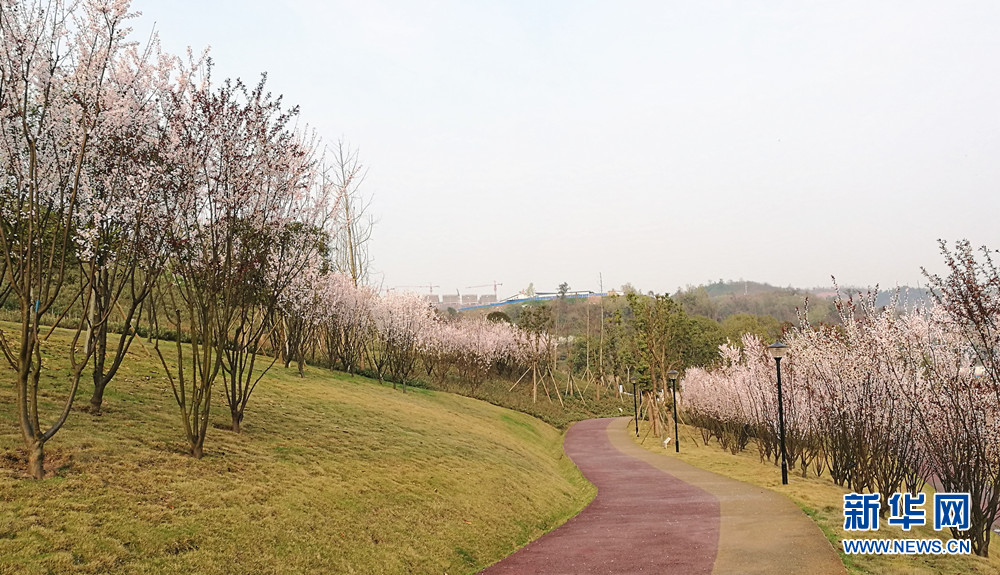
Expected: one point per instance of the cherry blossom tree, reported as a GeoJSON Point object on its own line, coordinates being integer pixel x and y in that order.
{"type": "Point", "coordinates": [482, 346]}
{"type": "Point", "coordinates": [345, 322]}
{"type": "Point", "coordinates": [962, 365]}
{"type": "Point", "coordinates": [885, 400]}
{"type": "Point", "coordinates": [250, 214]}
{"type": "Point", "coordinates": [438, 347]}
{"type": "Point", "coordinates": [477, 348]}
{"type": "Point", "coordinates": [398, 319]}
{"type": "Point", "coordinates": [127, 168]}
{"type": "Point", "coordinates": [54, 76]}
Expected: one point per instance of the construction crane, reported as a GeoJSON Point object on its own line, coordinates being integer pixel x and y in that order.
{"type": "Point", "coordinates": [495, 285]}
{"type": "Point", "coordinates": [428, 286]}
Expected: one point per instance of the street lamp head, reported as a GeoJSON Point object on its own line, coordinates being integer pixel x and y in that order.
{"type": "Point", "coordinates": [777, 350]}
{"type": "Point", "coordinates": [672, 374]}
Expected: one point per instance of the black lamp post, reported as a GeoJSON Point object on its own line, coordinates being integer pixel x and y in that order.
{"type": "Point", "coordinates": [777, 350]}
{"type": "Point", "coordinates": [672, 374]}
{"type": "Point", "coordinates": [635, 407]}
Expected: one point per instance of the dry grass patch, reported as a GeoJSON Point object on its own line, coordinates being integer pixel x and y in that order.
{"type": "Point", "coordinates": [331, 474]}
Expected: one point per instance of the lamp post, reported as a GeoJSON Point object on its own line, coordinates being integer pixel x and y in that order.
{"type": "Point", "coordinates": [672, 374]}
{"type": "Point", "coordinates": [777, 350]}
{"type": "Point", "coordinates": [635, 407]}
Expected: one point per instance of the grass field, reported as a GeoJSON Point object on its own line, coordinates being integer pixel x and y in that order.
{"type": "Point", "coordinates": [331, 474]}
{"type": "Point", "coordinates": [822, 500]}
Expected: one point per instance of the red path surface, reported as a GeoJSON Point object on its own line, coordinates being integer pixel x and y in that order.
{"type": "Point", "coordinates": [643, 520]}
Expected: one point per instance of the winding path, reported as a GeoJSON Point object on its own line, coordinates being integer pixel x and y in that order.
{"type": "Point", "coordinates": [657, 514]}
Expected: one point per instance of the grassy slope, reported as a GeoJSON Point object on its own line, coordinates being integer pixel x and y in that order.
{"type": "Point", "coordinates": [582, 404]}
{"type": "Point", "coordinates": [823, 501]}
{"type": "Point", "coordinates": [332, 473]}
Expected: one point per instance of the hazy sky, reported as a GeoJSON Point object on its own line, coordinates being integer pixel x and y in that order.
{"type": "Point", "coordinates": [661, 143]}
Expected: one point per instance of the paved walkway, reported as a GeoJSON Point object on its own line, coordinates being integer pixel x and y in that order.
{"type": "Point", "coordinates": [657, 514]}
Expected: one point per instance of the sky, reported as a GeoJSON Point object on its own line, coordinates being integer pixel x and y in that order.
{"type": "Point", "coordinates": [662, 143]}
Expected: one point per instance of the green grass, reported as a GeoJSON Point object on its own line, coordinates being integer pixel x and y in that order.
{"type": "Point", "coordinates": [822, 500]}
{"type": "Point", "coordinates": [331, 474]}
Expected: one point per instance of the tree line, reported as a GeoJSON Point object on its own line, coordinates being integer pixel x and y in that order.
{"type": "Point", "coordinates": [886, 400]}
{"type": "Point", "coordinates": [140, 194]}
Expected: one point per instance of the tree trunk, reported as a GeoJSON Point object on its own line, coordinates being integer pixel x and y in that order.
{"type": "Point", "coordinates": [36, 459]}
{"type": "Point", "coordinates": [100, 342]}
{"type": "Point", "coordinates": [197, 451]}
{"type": "Point", "coordinates": [97, 399]}
{"type": "Point", "coordinates": [653, 412]}
{"type": "Point", "coordinates": [236, 422]}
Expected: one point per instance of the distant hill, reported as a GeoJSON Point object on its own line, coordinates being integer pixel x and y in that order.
{"type": "Point", "coordinates": [741, 287]}
{"type": "Point", "coordinates": [722, 299]}
{"type": "Point", "coordinates": [718, 301]}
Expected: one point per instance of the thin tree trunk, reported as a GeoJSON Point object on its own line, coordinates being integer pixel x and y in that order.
{"type": "Point", "coordinates": [97, 398]}
{"type": "Point", "coordinates": [100, 381]}
{"type": "Point", "coordinates": [36, 458]}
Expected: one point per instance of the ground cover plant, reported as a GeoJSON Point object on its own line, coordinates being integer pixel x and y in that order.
{"type": "Point", "coordinates": [333, 473]}
{"type": "Point", "coordinates": [822, 500]}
